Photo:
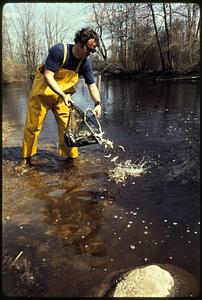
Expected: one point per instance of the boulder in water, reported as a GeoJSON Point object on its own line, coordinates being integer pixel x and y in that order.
{"type": "Point", "coordinates": [157, 280]}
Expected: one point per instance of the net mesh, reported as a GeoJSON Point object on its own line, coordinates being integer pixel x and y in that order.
{"type": "Point", "coordinates": [82, 129]}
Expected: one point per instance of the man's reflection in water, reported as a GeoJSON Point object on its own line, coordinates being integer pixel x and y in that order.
{"type": "Point", "coordinates": [77, 218]}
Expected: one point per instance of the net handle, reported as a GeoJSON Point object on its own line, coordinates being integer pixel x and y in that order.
{"type": "Point", "coordinates": [95, 135]}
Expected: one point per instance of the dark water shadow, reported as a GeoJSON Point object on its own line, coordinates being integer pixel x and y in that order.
{"type": "Point", "coordinates": [15, 154]}
{"type": "Point", "coordinates": [11, 154]}
{"type": "Point", "coordinates": [44, 160]}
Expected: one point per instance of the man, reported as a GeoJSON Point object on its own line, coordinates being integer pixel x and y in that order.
{"type": "Point", "coordinates": [52, 89]}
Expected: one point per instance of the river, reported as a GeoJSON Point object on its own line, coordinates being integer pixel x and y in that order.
{"type": "Point", "coordinates": [68, 226]}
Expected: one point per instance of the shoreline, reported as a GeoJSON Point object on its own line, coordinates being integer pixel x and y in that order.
{"type": "Point", "coordinates": [155, 75]}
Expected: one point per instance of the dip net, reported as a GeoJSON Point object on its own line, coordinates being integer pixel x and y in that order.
{"type": "Point", "coordinates": [83, 128]}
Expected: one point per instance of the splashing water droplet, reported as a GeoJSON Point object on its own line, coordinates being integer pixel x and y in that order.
{"type": "Point", "coordinates": [127, 169]}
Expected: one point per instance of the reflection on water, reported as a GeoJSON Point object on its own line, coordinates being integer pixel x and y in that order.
{"type": "Point", "coordinates": [71, 224]}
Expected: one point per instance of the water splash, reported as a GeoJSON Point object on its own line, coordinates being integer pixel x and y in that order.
{"type": "Point", "coordinates": [122, 170]}
{"type": "Point", "coordinates": [106, 142]}
{"type": "Point", "coordinates": [126, 169]}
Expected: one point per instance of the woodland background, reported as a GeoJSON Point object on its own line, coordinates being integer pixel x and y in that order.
{"type": "Point", "coordinates": [133, 37]}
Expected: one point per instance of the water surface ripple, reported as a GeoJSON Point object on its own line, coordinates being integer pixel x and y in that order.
{"type": "Point", "coordinates": [70, 225]}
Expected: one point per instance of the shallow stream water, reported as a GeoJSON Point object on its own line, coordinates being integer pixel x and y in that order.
{"type": "Point", "coordinates": [66, 226]}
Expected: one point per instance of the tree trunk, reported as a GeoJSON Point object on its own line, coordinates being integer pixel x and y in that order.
{"type": "Point", "coordinates": [167, 38]}
{"type": "Point", "coordinates": [157, 37]}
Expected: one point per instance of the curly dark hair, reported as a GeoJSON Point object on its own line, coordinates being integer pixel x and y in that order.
{"type": "Point", "coordinates": [86, 34]}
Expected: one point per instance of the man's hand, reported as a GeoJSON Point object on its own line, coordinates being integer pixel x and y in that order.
{"type": "Point", "coordinates": [97, 110]}
{"type": "Point", "coordinates": [52, 83]}
{"type": "Point", "coordinates": [95, 95]}
{"type": "Point", "coordinates": [67, 100]}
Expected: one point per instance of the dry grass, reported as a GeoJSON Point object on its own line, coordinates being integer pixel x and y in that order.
{"type": "Point", "coordinates": [4, 131]}
{"type": "Point", "coordinates": [13, 71]}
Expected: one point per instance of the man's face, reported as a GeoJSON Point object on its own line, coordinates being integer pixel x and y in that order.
{"type": "Point", "coordinates": [85, 49]}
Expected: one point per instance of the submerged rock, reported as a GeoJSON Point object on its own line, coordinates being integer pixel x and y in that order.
{"type": "Point", "coordinates": [158, 280]}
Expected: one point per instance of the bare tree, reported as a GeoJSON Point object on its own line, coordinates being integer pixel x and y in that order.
{"type": "Point", "coordinates": [7, 50]}
{"type": "Point", "coordinates": [28, 37]}
{"type": "Point", "coordinates": [8, 66]}
{"type": "Point", "coordinates": [55, 28]}
{"type": "Point", "coordinates": [168, 34]}
{"type": "Point", "coordinates": [132, 35]}
{"type": "Point", "coordinates": [100, 21]}
{"type": "Point", "coordinates": [150, 5]}
{"type": "Point", "coordinates": [192, 13]}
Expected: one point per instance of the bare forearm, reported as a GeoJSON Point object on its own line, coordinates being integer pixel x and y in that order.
{"type": "Point", "coordinates": [52, 83]}
{"type": "Point", "coordinates": [95, 95]}
{"type": "Point", "coordinates": [93, 90]}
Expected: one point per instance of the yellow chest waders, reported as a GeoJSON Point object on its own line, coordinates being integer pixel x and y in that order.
{"type": "Point", "coordinates": [41, 99]}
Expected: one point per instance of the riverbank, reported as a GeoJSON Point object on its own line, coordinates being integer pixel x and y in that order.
{"type": "Point", "coordinates": [113, 71]}
{"type": "Point", "coordinates": [156, 75]}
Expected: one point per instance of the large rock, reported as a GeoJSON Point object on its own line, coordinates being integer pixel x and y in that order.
{"type": "Point", "coordinates": [145, 282]}
{"type": "Point", "coordinates": [158, 280]}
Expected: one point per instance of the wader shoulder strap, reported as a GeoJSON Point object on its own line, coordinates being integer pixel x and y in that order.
{"type": "Point", "coordinates": [78, 66]}
{"type": "Point", "coordinates": [65, 54]}
{"type": "Point", "coordinates": [65, 57]}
